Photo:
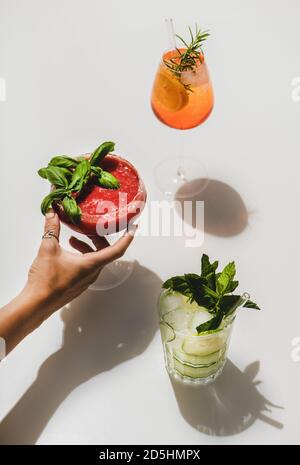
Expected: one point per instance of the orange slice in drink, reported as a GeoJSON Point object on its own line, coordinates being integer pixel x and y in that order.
{"type": "Point", "coordinates": [169, 91]}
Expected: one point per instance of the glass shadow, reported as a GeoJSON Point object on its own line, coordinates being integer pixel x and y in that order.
{"type": "Point", "coordinates": [228, 406]}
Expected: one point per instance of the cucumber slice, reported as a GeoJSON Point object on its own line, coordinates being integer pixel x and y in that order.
{"type": "Point", "coordinates": [195, 372]}
{"type": "Point", "coordinates": [198, 360]}
{"type": "Point", "coordinates": [204, 345]}
{"type": "Point", "coordinates": [167, 333]}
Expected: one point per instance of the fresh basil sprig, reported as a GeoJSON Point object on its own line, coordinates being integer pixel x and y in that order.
{"type": "Point", "coordinates": [97, 171]}
{"type": "Point", "coordinates": [71, 209]}
{"type": "Point", "coordinates": [63, 161]}
{"type": "Point", "coordinates": [58, 177]}
{"type": "Point", "coordinates": [43, 173]}
{"type": "Point", "coordinates": [80, 176]}
{"type": "Point", "coordinates": [108, 180]}
{"type": "Point", "coordinates": [54, 196]}
{"type": "Point", "coordinates": [211, 290]}
{"type": "Point", "coordinates": [100, 152]}
{"type": "Point", "coordinates": [69, 175]}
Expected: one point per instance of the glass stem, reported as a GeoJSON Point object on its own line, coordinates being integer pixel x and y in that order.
{"type": "Point", "coordinates": [181, 145]}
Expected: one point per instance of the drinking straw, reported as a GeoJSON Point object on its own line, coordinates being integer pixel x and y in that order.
{"type": "Point", "coordinates": [171, 33]}
{"type": "Point", "coordinates": [172, 43]}
{"type": "Point", "coordinates": [244, 297]}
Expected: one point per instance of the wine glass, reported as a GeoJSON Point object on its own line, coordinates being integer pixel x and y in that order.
{"type": "Point", "coordinates": [182, 98]}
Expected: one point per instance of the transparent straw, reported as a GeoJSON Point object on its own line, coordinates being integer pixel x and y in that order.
{"type": "Point", "coordinates": [181, 144]}
{"type": "Point", "coordinates": [171, 33]}
{"type": "Point", "coordinates": [244, 297]}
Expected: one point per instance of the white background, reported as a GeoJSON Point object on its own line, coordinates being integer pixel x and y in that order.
{"type": "Point", "coordinates": [80, 72]}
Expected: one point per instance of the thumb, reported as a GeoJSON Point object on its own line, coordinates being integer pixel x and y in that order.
{"type": "Point", "coordinates": [52, 223]}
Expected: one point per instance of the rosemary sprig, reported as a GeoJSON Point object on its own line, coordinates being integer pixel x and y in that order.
{"type": "Point", "coordinates": [190, 57]}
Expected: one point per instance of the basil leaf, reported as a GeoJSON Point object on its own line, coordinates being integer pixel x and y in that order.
{"type": "Point", "coordinates": [66, 172]}
{"type": "Point", "coordinates": [250, 304]}
{"type": "Point", "coordinates": [43, 173]}
{"type": "Point", "coordinates": [56, 176]}
{"type": "Point", "coordinates": [80, 175]}
{"type": "Point", "coordinates": [225, 278]}
{"type": "Point", "coordinates": [72, 210]}
{"type": "Point", "coordinates": [108, 180]}
{"type": "Point", "coordinates": [211, 324]}
{"type": "Point", "coordinates": [63, 171]}
{"type": "Point", "coordinates": [100, 152]}
{"type": "Point", "coordinates": [55, 195]}
{"type": "Point", "coordinates": [96, 170]}
{"type": "Point", "coordinates": [46, 204]}
{"type": "Point", "coordinates": [63, 161]}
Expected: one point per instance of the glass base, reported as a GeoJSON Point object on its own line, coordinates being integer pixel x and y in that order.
{"type": "Point", "coordinates": [196, 381]}
{"type": "Point", "coordinates": [113, 274]}
{"type": "Point", "coordinates": [172, 174]}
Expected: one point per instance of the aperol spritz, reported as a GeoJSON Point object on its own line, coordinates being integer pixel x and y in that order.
{"type": "Point", "coordinates": [182, 98]}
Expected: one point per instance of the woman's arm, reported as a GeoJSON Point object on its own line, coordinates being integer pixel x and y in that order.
{"type": "Point", "coordinates": [55, 278]}
{"type": "Point", "coordinates": [20, 317]}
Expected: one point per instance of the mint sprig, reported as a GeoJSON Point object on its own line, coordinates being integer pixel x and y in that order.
{"type": "Point", "coordinates": [69, 176]}
{"type": "Point", "coordinates": [211, 290]}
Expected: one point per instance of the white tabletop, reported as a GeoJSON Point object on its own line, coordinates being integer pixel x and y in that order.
{"type": "Point", "coordinates": [80, 72]}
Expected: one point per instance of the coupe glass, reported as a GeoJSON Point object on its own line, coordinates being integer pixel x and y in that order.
{"type": "Point", "coordinates": [111, 223]}
{"type": "Point", "coordinates": [183, 102]}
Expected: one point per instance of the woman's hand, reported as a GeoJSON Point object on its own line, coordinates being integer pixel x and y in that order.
{"type": "Point", "coordinates": [58, 276]}
{"type": "Point", "coordinates": [55, 278]}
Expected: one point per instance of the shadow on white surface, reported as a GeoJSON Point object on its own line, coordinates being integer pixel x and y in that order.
{"type": "Point", "coordinates": [101, 330]}
{"type": "Point", "coordinates": [224, 209]}
{"type": "Point", "coordinates": [228, 406]}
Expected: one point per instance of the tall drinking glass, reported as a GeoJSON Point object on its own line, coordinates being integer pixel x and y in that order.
{"type": "Point", "coordinates": [191, 357]}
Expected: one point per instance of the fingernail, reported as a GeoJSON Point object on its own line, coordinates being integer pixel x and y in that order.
{"type": "Point", "coordinates": [131, 229]}
{"type": "Point", "coordinates": [50, 214]}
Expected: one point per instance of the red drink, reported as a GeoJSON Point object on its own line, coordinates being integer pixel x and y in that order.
{"type": "Point", "coordinates": [105, 211]}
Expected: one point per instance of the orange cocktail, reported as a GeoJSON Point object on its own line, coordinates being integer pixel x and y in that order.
{"type": "Point", "coordinates": [185, 101]}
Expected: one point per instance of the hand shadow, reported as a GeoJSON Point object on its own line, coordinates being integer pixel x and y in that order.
{"type": "Point", "coordinates": [226, 407]}
{"type": "Point", "coordinates": [224, 209]}
{"type": "Point", "coordinates": [101, 330]}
